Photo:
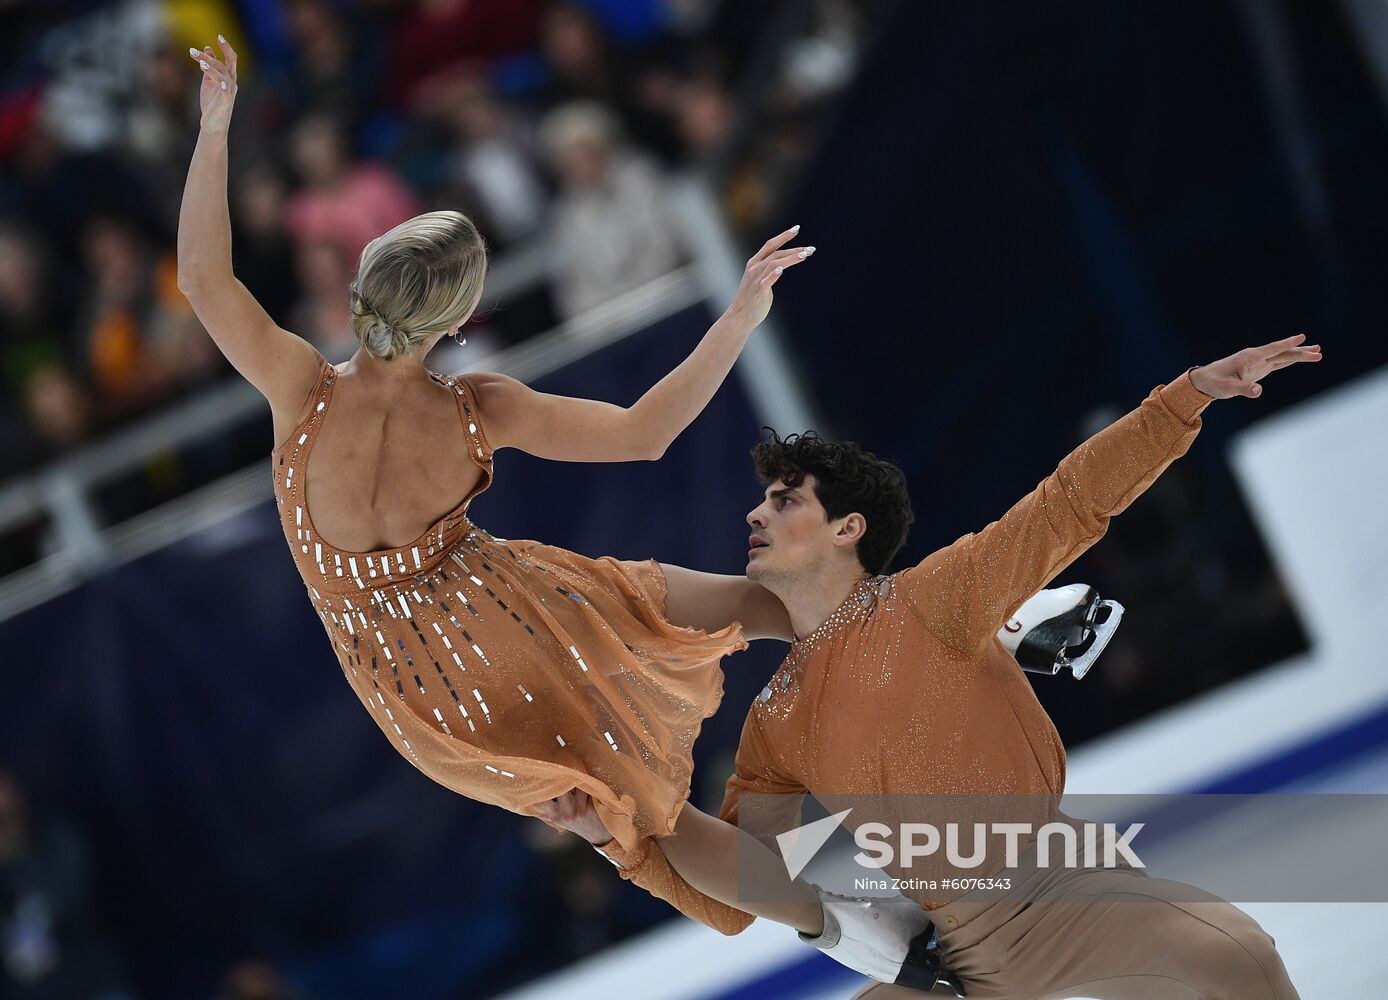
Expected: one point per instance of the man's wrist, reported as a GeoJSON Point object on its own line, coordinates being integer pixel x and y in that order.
{"type": "Point", "coordinates": [1184, 398]}
{"type": "Point", "coordinates": [1193, 381]}
{"type": "Point", "coordinates": [1197, 377]}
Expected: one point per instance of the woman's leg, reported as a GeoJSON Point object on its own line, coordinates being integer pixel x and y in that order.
{"type": "Point", "coordinates": [734, 867]}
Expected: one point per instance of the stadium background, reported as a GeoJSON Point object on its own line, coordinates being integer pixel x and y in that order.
{"type": "Point", "coordinates": [1025, 218]}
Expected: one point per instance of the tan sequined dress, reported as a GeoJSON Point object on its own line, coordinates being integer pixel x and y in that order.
{"type": "Point", "coordinates": [511, 671]}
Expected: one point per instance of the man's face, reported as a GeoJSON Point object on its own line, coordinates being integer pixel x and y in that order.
{"type": "Point", "coordinates": [791, 535]}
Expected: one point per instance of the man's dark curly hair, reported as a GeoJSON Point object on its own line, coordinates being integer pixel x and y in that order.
{"type": "Point", "coordinates": [846, 479]}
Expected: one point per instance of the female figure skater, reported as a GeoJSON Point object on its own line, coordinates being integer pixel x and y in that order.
{"type": "Point", "coordinates": [510, 672]}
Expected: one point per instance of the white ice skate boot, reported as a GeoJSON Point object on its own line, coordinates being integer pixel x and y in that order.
{"type": "Point", "coordinates": [1062, 627]}
{"type": "Point", "coordinates": [889, 939]}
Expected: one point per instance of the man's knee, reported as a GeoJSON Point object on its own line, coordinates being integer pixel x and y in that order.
{"type": "Point", "coordinates": [1231, 956]}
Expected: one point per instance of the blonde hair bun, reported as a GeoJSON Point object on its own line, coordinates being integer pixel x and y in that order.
{"type": "Point", "coordinates": [419, 279]}
{"type": "Point", "coordinates": [381, 339]}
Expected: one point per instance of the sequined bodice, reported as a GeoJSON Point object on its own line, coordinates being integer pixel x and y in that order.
{"type": "Point", "coordinates": [328, 569]}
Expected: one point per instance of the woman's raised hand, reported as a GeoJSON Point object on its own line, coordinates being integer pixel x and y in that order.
{"type": "Point", "coordinates": [218, 86]}
{"type": "Point", "coordinates": [753, 300]}
{"type": "Point", "coordinates": [1239, 374]}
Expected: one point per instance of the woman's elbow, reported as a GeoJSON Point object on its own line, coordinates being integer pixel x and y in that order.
{"type": "Point", "coordinates": [192, 282]}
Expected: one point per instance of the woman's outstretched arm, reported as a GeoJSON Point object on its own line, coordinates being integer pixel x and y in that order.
{"type": "Point", "coordinates": [282, 366]}
{"type": "Point", "coordinates": [585, 430]}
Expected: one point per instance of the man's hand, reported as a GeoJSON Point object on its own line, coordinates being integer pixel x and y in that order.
{"type": "Point", "coordinates": [574, 812]}
{"type": "Point", "coordinates": [1239, 374]}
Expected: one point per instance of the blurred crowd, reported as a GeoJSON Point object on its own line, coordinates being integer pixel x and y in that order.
{"type": "Point", "coordinates": [556, 125]}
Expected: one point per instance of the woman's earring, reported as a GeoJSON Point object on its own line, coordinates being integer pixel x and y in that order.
{"type": "Point", "coordinates": [460, 341]}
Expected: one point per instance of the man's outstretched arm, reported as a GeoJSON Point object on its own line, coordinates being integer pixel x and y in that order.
{"type": "Point", "coordinates": [965, 592]}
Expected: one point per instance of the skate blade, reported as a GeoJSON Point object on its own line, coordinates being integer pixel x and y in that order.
{"type": "Point", "coordinates": [1102, 634]}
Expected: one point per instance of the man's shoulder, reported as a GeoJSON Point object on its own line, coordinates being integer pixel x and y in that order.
{"type": "Point", "coordinates": [935, 565]}
{"type": "Point", "coordinates": [920, 596]}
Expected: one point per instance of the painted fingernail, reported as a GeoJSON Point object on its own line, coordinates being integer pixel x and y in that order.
{"type": "Point", "coordinates": [221, 39]}
{"type": "Point", "coordinates": [795, 229]}
{"type": "Point", "coordinates": [194, 53]}
{"type": "Point", "coordinates": [803, 254]}
{"type": "Point", "coordinates": [810, 250]}
{"type": "Point", "coordinates": [202, 63]}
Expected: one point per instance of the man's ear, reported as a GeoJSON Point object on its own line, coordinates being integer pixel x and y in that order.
{"type": "Point", "coordinates": [851, 530]}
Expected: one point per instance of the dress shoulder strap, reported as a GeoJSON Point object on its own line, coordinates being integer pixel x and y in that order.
{"type": "Point", "coordinates": [311, 414]}
{"type": "Point", "coordinates": [465, 393]}
{"type": "Point", "coordinates": [472, 417]}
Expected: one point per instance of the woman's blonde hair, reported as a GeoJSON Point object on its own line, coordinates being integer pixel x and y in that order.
{"type": "Point", "coordinates": [416, 280]}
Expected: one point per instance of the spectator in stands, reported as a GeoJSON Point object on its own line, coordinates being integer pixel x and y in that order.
{"type": "Point", "coordinates": [177, 342]}
{"type": "Point", "coordinates": [57, 410]}
{"type": "Point", "coordinates": [439, 36]}
{"type": "Point", "coordinates": [490, 173]}
{"type": "Point", "coordinates": [583, 64]}
{"type": "Point", "coordinates": [32, 340]}
{"type": "Point", "coordinates": [327, 70]}
{"type": "Point", "coordinates": [347, 202]}
{"type": "Point", "coordinates": [31, 322]}
{"type": "Point", "coordinates": [323, 314]}
{"type": "Point", "coordinates": [50, 947]}
{"type": "Point", "coordinates": [140, 337]}
{"type": "Point", "coordinates": [611, 229]}
{"type": "Point", "coordinates": [703, 113]}
{"type": "Point", "coordinates": [160, 129]}
{"type": "Point", "coordinates": [110, 333]}
{"type": "Point", "coordinates": [262, 253]}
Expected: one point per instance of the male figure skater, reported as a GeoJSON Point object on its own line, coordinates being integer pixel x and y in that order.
{"type": "Point", "coordinates": [899, 685]}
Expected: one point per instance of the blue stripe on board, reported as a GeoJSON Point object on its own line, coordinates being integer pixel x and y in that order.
{"type": "Point", "coordinates": [1319, 753]}
{"type": "Point", "coordinates": [814, 970]}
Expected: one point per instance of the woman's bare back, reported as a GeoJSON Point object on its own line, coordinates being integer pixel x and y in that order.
{"type": "Point", "coordinates": [387, 464]}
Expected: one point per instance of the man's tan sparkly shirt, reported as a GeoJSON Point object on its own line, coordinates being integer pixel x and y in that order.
{"type": "Point", "coordinates": [905, 689]}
